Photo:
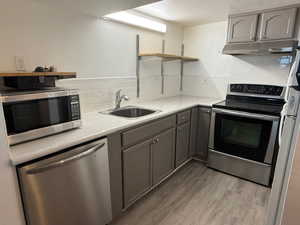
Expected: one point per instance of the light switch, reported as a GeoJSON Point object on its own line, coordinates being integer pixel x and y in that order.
{"type": "Point", "coordinates": [19, 63]}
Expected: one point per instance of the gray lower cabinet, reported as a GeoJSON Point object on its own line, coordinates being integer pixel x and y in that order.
{"type": "Point", "coordinates": [194, 130]}
{"type": "Point", "coordinates": [204, 117]}
{"type": "Point", "coordinates": [147, 164]}
{"type": "Point", "coordinates": [182, 143]}
{"type": "Point", "coordinates": [277, 24]}
{"type": "Point", "coordinates": [163, 154]}
{"type": "Point", "coordinates": [137, 175]}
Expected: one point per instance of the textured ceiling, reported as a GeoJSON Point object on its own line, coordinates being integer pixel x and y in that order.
{"type": "Point", "coordinates": [193, 12]}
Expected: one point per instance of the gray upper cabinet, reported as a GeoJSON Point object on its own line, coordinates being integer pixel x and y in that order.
{"type": "Point", "coordinates": [182, 143]}
{"type": "Point", "coordinates": [203, 132]}
{"type": "Point", "coordinates": [242, 28]}
{"type": "Point", "coordinates": [163, 155]}
{"type": "Point", "coordinates": [136, 171]}
{"type": "Point", "coordinates": [277, 24]}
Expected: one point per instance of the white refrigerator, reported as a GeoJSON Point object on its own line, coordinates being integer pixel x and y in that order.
{"type": "Point", "coordinates": [284, 202]}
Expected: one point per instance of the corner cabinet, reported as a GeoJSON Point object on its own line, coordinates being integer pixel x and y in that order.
{"type": "Point", "coordinates": [183, 137]}
{"type": "Point", "coordinates": [182, 143]}
{"type": "Point", "coordinates": [204, 118]}
{"type": "Point", "coordinates": [278, 24]}
{"type": "Point", "coordinates": [242, 28]}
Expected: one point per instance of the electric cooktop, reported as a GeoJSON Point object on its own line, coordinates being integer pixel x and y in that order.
{"type": "Point", "coordinates": [263, 99]}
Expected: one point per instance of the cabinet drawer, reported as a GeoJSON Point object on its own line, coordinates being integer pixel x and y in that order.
{"type": "Point", "coordinates": [183, 117]}
{"type": "Point", "coordinates": [147, 131]}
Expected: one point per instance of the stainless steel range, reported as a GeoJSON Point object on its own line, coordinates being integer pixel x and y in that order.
{"type": "Point", "coordinates": [244, 131]}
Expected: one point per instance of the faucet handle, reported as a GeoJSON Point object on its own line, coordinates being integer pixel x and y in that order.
{"type": "Point", "coordinates": [118, 92]}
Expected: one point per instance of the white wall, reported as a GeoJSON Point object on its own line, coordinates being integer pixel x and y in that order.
{"type": "Point", "coordinates": [101, 52]}
{"type": "Point", "coordinates": [92, 47]}
{"type": "Point", "coordinates": [115, 67]}
{"type": "Point", "coordinates": [211, 75]}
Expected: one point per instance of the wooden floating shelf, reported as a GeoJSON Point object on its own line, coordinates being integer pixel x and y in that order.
{"type": "Point", "coordinates": [39, 74]}
{"type": "Point", "coordinates": [169, 57]}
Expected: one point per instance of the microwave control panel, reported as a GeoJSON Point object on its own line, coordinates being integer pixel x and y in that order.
{"type": "Point", "coordinates": [255, 89]}
{"type": "Point", "coordinates": [74, 107]}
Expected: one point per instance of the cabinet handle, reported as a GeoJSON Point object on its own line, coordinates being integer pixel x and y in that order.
{"type": "Point", "coordinates": [156, 140]}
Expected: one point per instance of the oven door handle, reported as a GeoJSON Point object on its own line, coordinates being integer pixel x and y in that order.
{"type": "Point", "coordinates": [246, 114]}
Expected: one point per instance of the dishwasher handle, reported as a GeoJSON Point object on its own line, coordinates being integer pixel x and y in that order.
{"type": "Point", "coordinates": [67, 160]}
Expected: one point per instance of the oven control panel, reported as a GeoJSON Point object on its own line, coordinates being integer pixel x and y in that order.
{"type": "Point", "coordinates": [255, 89]}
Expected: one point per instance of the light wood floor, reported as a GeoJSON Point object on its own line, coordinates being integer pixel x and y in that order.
{"type": "Point", "coordinates": [197, 195]}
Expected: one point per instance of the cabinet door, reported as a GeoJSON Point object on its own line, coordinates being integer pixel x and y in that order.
{"type": "Point", "coordinates": [242, 28]}
{"type": "Point", "coordinates": [136, 171]}
{"type": "Point", "coordinates": [278, 24]}
{"type": "Point", "coordinates": [194, 127]}
{"type": "Point", "coordinates": [203, 132]}
{"type": "Point", "coordinates": [163, 154]}
{"type": "Point", "coordinates": [182, 143]}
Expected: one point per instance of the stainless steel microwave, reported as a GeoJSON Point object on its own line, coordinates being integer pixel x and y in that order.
{"type": "Point", "coordinates": [32, 115]}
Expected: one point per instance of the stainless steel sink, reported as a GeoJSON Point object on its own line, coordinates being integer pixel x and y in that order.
{"type": "Point", "coordinates": [131, 112]}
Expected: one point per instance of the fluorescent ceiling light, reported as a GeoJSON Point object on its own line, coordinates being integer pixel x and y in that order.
{"type": "Point", "coordinates": [140, 21]}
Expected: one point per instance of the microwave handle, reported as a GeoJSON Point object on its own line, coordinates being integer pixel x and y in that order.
{"type": "Point", "coordinates": [246, 114]}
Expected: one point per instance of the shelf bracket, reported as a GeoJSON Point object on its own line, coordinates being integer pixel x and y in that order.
{"type": "Point", "coordinates": [162, 69]}
{"type": "Point", "coordinates": [137, 66]}
{"type": "Point", "coordinates": [181, 68]}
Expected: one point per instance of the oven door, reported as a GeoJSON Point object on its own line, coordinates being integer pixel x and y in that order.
{"type": "Point", "coordinates": [245, 135]}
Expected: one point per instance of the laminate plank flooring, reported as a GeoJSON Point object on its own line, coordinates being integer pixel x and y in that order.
{"type": "Point", "coordinates": [196, 195]}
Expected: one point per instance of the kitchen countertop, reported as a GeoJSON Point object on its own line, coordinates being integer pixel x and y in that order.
{"type": "Point", "coordinates": [96, 125]}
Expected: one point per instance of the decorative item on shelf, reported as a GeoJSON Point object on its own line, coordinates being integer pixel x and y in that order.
{"type": "Point", "coordinates": [39, 69]}
{"type": "Point", "coordinates": [45, 69]}
{"type": "Point", "coordinates": [52, 69]}
{"type": "Point", "coordinates": [41, 77]}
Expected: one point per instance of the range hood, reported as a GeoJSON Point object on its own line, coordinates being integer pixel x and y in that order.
{"type": "Point", "coordinates": [261, 48]}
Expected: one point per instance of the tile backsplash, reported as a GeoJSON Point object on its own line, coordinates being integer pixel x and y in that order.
{"type": "Point", "coordinates": [99, 93]}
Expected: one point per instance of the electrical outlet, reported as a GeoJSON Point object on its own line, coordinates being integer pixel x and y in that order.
{"type": "Point", "coordinates": [19, 63]}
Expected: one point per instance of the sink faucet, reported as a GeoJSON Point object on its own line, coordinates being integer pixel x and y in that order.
{"type": "Point", "coordinates": [119, 99]}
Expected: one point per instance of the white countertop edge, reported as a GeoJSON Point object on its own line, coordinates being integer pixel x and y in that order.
{"type": "Point", "coordinates": [18, 159]}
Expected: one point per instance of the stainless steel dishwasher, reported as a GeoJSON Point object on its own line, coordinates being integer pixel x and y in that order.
{"type": "Point", "coordinates": [69, 188]}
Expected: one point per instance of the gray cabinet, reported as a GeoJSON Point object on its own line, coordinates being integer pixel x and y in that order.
{"type": "Point", "coordinates": [163, 154]}
{"type": "Point", "coordinates": [148, 157]}
{"type": "Point", "coordinates": [204, 117]}
{"type": "Point", "coordinates": [277, 24]}
{"type": "Point", "coordinates": [193, 135]}
{"type": "Point", "coordinates": [136, 171]}
{"type": "Point", "coordinates": [242, 28]}
{"type": "Point", "coordinates": [182, 143]}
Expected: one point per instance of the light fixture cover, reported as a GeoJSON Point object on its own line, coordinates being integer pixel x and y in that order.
{"type": "Point", "coordinates": [137, 20]}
